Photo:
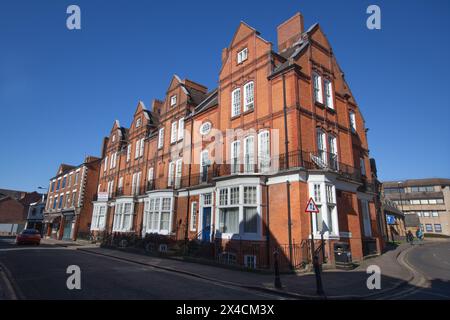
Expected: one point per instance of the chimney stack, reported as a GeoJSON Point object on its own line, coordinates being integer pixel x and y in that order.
{"type": "Point", "coordinates": [290, 31]}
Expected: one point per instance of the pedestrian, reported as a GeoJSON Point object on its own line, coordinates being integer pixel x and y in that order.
{"type": "Point", "coordinates": [409, 237]}
{"type": "Point", "coordinates": [419, 234]}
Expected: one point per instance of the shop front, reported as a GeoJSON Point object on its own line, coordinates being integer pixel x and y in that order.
{"type": "Point", "coordinates": [68, 225]}
{"type": "Point", "coordinates": [52, 223]}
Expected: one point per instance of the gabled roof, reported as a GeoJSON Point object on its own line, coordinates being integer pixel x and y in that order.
{"type": "Point", "coordinates": [211, 99]}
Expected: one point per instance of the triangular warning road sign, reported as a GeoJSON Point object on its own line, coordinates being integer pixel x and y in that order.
{"type": "Point", "coordinates": [311, 206]}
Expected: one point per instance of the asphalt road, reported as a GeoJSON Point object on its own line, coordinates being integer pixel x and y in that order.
{"type": "Point", "coordinates": [432, 260]}
{"type": "Point", "coordinates": [40, 273]}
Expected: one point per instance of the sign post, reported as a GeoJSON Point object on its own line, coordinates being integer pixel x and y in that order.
{"type": "Point", "coordinates": [311, 208]}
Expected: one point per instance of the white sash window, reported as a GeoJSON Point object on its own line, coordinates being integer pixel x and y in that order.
{"type": "Point", "coordinates": [236, 102]}
{"type": "Point", "coordinates": [180, 129]}
{"type": "Point", "coordinates": [249, 158]}
{"type": "Point", "coordinates": [318, 94]}
{"type": "Point", "coordinates": [235, 150]}
{"type": "Point", "coordinates": [264, 151]}
{"type": "Point", "coordinates": [173, 132]}
{"type": "Point", "coordinates": [249, 96]}
{"type": "Point", "coordinates": [161, 138]}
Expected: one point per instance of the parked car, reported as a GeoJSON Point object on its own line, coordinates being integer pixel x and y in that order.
{"type": "Point", "coordinates": [29, 236]}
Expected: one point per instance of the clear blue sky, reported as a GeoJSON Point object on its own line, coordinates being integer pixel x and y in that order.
{"type": "Point", "coordinates": [61, 90]}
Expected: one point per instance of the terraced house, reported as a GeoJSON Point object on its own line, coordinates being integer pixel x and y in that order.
{"type": "Point", "coordinates": [236, 165]}
{"type": "Point", "coordinates": [68, 210]}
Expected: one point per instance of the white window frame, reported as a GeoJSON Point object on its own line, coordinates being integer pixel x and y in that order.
{"type": "Point", "coordinates": [161, 138]}
{"type": "Point", "coordinates": [120, 214]}
{"type": "Point", "coordinates": [178, 172]}
{"type": "Point", "coordinates": [180, 129]}
{"type": "Point", "coordinates": [328, 93]}
{"type": "Point", "coordinates": [105, 165]}
{"type": "Point", "coordinates": [352, 116]}
{"type": "Point", "coordinates": [321, 139]}
{"type": "Point", "coordinates": [242, 55]}
{"type": "Point", "coordinates": [171, 173]}
{"type": "Point", "coordinates": [235, 156]}
{"type": "Point", "coordinates": [240, 207]}
{"type": "Point", "coordinates": [324, 195]}
{"type": "Point", "coordinates": [249, 96]}
{"type": "Point", "coordinates": [137, 147]}
{"type": "Point", "coordinates": [194, 216]}
{"type": "Point", "coordinates": [138, 122]}
{"type": "Point", "coordinates": [173, 100]}
{"type": "Point", "coordinates": [173, 132]}
{"type": "Point", "coordinates": [98, 221]}
{"type": "Point", "coordinates": [264, 151]}
{"type": "Point", "coordinates": [141, 147]}
{"type": "Point", "coordinates": [317, 86]}
{"type": "Point", "coordinates": [236, 102]}
{"type": "Point", "coordinates": [249, 154]}
{"type": "Point", "coordinates": [153, 208]}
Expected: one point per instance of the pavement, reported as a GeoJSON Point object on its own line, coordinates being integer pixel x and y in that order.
{"type": "Point", "coordinates": [337, 284]}
{"type": "Point", "coordinates": [401, 273]}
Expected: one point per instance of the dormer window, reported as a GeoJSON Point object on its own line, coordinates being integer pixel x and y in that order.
{"type": "Point", "coordinates": [242, 55]}
{"type": "Point", "coordinates": [173, 100]}
{"type": "Point", "coordinates": [138, 122]}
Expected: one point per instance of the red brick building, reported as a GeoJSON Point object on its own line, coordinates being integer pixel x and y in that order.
{"type": "Point", "coordinates": [14, 208]}
{"type": "Point", "coordinates": [68, 211]}
{"type": "Point", "coordinates": [236, 165]}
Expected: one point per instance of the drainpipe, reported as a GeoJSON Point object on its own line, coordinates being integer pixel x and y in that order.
{"type": "Point", "coordinates": [268, 225]}
{"type": "Point", "coordinates": [288, 184]}
{"type": "Point", "coordinates": [286, 140]}
{"type": "Point", "coordinates": [288, 190]}
{"type": "Point", "coordinates": [186, 233]}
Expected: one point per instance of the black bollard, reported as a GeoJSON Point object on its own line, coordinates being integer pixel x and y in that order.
{"type": "Point", "coordinates": [317, 273]}
{"type": "Point", "coordinates": [277, 282]}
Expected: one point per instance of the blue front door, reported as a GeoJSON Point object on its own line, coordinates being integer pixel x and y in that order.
{"type": "Point", "coordinates": [206, 225]}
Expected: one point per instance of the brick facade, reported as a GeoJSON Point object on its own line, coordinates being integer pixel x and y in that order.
{"type": "Point", "coordinates": [68, 210]}
{"type": "Point", "coordinates": [271, 91]}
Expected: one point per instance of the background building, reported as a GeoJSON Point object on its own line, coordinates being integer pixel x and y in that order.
{"type": "Point", "coordinates": [429, 199]}
{"type": "Point", "coordinates": [68, 209]}
{"type": "Point", "coordinates": [35, 216]}
{"type": "Point", "coordinates": [14, 209]}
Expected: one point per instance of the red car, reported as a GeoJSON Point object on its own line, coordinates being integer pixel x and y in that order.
{"type": "Point", "coordinates": [29, 236]}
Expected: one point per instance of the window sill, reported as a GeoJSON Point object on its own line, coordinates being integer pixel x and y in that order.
{"type": "Point", "coordinates": [319, 104]}
{"type": "Point", "coordinates": [235, 117]}
{"type": "Point", "coordinates": [331, 110]}
{"type": "Point", "coordinates": [248, 111]}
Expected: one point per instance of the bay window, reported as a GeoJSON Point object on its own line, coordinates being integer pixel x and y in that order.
{"type": "Point", "coordinates": [98, 217]}
{"type": "Point", "coordinates": [157, 215]}
{"type": "Point", "coordinates": [239, 211]}
{"type": "Point", "coordinates": [123, 216]}
{"type": "Point", "coordinates": [326, 220]}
